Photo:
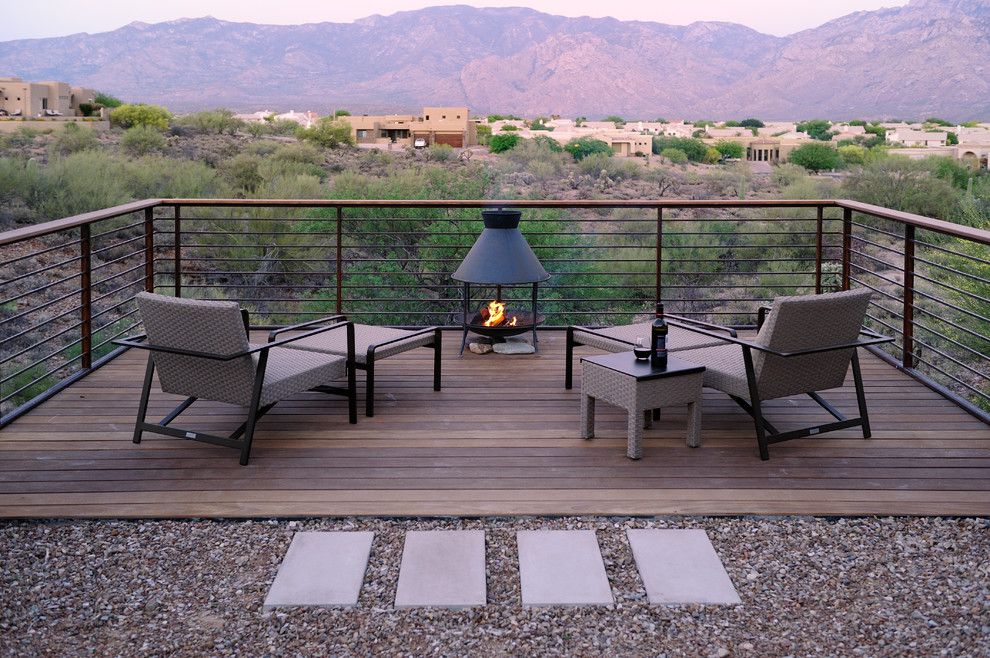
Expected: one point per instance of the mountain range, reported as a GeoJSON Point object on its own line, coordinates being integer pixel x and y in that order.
{"type": "Point", "coordinates": [929, 57]}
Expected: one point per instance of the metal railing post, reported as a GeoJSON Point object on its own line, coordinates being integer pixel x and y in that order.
{"type": "Point", "coordinates": [177, 250]}
{"type": "Point", "coordinates": [907, 351]}
{"type": "Point", "coordinates": [340, 259]}
{"type": "Point", "coordinates": [819, 248]}
{"type": "Point", "coordinates": [846, 246]}
{"type": "Point", "coordinates": [149, 249]}
{"type": "Point", "coordinates": [86, 295]}
{"type": "Point", "coordinates": [659, 280]}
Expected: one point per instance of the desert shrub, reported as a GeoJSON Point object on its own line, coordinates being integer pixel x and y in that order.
{"type": "Point", "coordinates": [19, 179]}
{"type": "Point", "coordinates": [502, 143]}
{"type": "Point", "coordinates": [328, 133]}
{"type": "Point", "coordinates": [87, 109]}
{"type": "Point", "coordinates": [615, 168]}
{"type": "Point", "coordinates": [903, 184]}
{"type": "Point", "coordinates": [729, 149]}
{"type": "Point", "coordinates": [160, 177]}
{"type": "Point", "coordinates": [582, 147]}
{"type": "Point", "coordinates": [265, 147]}
{"type": "Point", "coordinates": [243, 172]}
{"type": "Point", "coordinates": [142, 140]}
{"type": "Point", "coordinates": [530, 151]}
{"type": "Point", "coordinates": [816, 156]}
{"type": "Point", "coordinates": [81, 182]}
{"type": "Point", "coordinates": [484, 134]}
{"type": "Point", "coordinates": [508, 128]}
{"type": "Point", "coordinates": [820, 129]}
{"type": "Point", "coordinates": [300, 152]}
{"type": "Point", "coordinates": [666, 181]}
{"type": "Point", "coordinates": [439, 153]}
{"type": "Point", "coordinates": [712, 156]}
{"type": "Point", "coordinates": [675, 156]}
{"type": "Point", "coordinates": [733, 180]}
{"type": "Point", "coordinates": [694, 148]}
{"type": "Point", "coordinates": [949, 169]}
{"type": "Point", "coordinates": [548, 143]}
{"type": "Point", "coordinates": [211, 122]}
{"type": "Point", "coordinates": [786, 173]}
{"type": "Point", "coordinates": [73, 139]}
{"type": "Point", "coordinates": [282, 127]}
{"type": "Point", "coordinates": [140, 114]}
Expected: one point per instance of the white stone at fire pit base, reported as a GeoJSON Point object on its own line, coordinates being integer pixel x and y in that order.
{"type": "Point", "coordinates": [480, 348]}
{"type": "Point", "coordinates": [513, 347]}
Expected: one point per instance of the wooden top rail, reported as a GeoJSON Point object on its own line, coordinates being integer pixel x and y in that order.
{"type": "Point", "coordinates": [947, 228]}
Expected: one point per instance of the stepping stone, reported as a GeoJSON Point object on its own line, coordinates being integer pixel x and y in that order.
{"type": "Point", "coordinates": [321, 569]}
{"type": "Point", "coordinates": [442, 568]}
{"type": "Point", "coordinates": [562, 567]}
{"type": "Point", "coordinates": [681, 566]}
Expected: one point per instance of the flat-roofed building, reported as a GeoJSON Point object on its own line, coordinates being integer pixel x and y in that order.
{"type": "Point", "coordinates": [24, 98]}
{"type": "Point", "coordinates": [437, 125]}
{"type": "Point", "coordinates": [910, 137]}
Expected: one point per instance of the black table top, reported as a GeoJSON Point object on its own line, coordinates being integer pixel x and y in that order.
{"type": "Point", "coordinates": [627, 364]}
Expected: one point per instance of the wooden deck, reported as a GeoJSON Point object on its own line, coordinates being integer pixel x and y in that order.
{"type": "Point", "coordinates": [500, 439]}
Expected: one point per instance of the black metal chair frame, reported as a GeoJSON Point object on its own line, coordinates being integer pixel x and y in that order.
{"type": "Point", "coordinates": [369, 365]}
{"type": "Point", "coordinates": [675, 320]}
{"type": "Point", "coordinates": [766, 433]}
{"type": "Point", "coordinates": [255, 412]}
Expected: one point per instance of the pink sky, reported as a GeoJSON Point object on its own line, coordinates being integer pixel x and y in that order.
{"type": "Point", "coordinates": [44, 18]}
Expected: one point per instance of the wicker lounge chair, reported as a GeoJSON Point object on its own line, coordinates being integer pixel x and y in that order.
{"type": "Point", "coordinates": [372, 344]}
{"type": "Point", "coordinates": [804, 345]}
{"type": "Point", "coordinates": [623, 339]}
{"type": "Point", "coordinates": [201, 351]}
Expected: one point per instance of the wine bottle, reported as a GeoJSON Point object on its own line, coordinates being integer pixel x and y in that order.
{"type": "Point", "coordinates": [658, 340]}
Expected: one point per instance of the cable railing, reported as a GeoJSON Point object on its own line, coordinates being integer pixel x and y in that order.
{"type": "Point", "coordinates": [67, 288]}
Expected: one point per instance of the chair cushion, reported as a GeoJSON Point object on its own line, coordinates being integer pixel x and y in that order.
{"type": "Point", "coordinates": [622, 338]}
{"type": "Point", "coordinates": [293, 371]}
{"type": "Point", "coordinates": [365, 336]}
{"type": "Point", "coordinates": [725, 369]}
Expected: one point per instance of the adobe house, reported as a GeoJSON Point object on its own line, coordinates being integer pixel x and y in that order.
{"type": "Point", "coordinates": [437, 125]}
{"type": "Point", "coordinates": [31, 99]}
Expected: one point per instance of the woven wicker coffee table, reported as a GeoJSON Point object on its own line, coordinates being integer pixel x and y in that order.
{"type": "Point", "coordinates": [639, 388]}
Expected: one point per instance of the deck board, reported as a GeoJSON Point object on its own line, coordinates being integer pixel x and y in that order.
{"type": "Point", "coordinates": [500, 439]}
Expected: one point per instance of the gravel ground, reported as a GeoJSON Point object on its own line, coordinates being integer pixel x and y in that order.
{"type": "Point", "coordinates": [810, 587]}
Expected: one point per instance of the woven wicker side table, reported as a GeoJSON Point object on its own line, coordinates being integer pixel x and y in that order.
{"type": "Point", "coordinates": [638, 387]}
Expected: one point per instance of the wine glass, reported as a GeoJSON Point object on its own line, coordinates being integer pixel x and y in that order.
{"type": "Point", "coordinates": [641, 350]}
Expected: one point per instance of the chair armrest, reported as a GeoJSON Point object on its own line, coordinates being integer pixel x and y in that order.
{"type": "Point", "coordinates": [873, 338]}
{"type": "Point", "coordinates": [680, 321]}
{"type": "Point", "coordinates": [134, 341]}
{"type": "Point", "coordinates": [304, 325]}
{"type": "Point", "coordinates": [590, 330]}
{"type": "Point", "coordinates": [412, 334]}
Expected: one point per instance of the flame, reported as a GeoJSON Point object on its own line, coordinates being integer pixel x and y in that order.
{"type": "Point", "coordinates": [512, 323]}
{"type": "Point", "coordinates": [496, 313]}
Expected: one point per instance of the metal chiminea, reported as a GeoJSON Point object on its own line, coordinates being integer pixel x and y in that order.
{"type": "Point", "coordinates": [500, 256]}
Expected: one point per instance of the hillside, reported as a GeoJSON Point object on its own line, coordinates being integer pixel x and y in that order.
{"type": "Point", "coordinates": [928, 57]}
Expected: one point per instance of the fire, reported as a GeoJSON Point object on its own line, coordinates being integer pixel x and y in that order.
{"type": "Point", "coordinates": [494, 315]}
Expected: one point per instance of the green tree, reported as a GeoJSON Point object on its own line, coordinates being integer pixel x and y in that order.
{"type": "Point", "coordinates": [342, 113]}
{"type": "Point", "coordinates": [140, 114]}
{"type": "Point", "coordinates": [816, 157]}
{"type": "Point", "coordinates": [616, 119]}
{"type": "Point", "coordinates": [106, 100]}
{"type": "Point", "coordinates": [502, 143]}
{"type": "Point", "coordinates": [730, 149]}
{"type": "Point", "coordinates": [328, 133]}
{"type": "Point", "coordinates": [853, 154]}
{"type": "Point", "coordinates": [695, 149]}
{"type": "Point", "coordinates": [903, 184]}
{"type": "Point", "coordinates": [951, 138]}
{"type": "Point", "coordinates": [935, 121]}
{"type": "Point", "coordinates": [211, 122]}
{"type": "Point", "coordinates": [819, 129]}
{"type": "Point", "coordinates": [142, 140]}
{"type": "Point", "coordinates": [731, 124]}
{"type": "Point", "coordinates": [675, 156]}
{"type": "Point", "coordinates": [752, 123]}
{"type": "Point", "coordinates": [548, 143]}
{"type": "Point", "coordinates": [508, 128]}
{"type": "Point", "coordinates": [877, 130]}
{"type": "Point", "coordinates": [582, 147]}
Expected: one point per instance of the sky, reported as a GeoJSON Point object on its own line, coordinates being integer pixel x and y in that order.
{"type": "Point", "coordinates": [28, 19]}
